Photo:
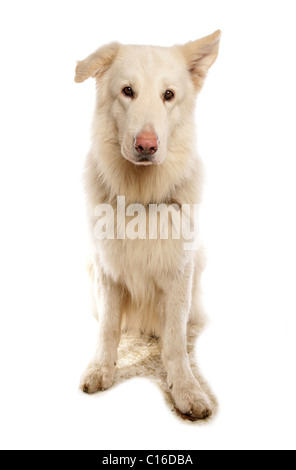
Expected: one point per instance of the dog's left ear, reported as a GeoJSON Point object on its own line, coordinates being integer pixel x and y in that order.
{"type": "Point", "coordinates": [200, 56]}
{"type": "Point", "coordinates": [96, 64]}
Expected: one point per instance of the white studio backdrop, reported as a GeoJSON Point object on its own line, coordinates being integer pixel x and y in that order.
{"type": "Point", "coordinates": [246, 132]}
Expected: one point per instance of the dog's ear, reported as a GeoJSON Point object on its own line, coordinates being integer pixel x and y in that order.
{"type": "Point", "coordinates": [97, 63]}
{"type": "Point", "coordinates": [200, 56]}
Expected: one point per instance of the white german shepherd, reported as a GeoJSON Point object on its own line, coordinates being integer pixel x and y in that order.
{"type": "Point", "coordinates": [143, 148]}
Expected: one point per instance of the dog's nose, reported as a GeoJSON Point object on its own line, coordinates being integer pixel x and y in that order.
{"type": "Point", "coordinates": [146, 143]}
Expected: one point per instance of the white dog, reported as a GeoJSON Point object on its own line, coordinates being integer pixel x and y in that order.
{"type": "Point", "coordinates": [143, 148]}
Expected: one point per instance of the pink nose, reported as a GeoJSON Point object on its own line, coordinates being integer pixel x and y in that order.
{"type": "Point", "coordinates": [146, 143]}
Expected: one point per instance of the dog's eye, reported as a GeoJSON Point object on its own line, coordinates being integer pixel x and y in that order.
{"type": "Point", "coordinates": [169, 95]}
{"type": "Point", "coordinates": [128, 91]}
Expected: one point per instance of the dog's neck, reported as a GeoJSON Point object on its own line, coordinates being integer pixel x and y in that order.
{"type": "Point", "coordinates": [172, 182]}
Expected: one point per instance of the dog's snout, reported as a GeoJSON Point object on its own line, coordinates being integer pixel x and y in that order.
{"type": "Point", "coordinates": [146, 143]}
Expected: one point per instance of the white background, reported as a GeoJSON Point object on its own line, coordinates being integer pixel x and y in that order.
{"type": "Point", "coordinates": [246, 127]}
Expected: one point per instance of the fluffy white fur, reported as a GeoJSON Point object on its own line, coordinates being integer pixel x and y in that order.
{"type": "Point", "coordinates": [149, 286]}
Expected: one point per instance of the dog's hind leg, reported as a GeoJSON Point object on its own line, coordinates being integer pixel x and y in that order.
{"type": "Point", "coordinates": [90, 267]}
{"type": "Point", "coordinates": [197, 316]}
{"type": "Point", "coordinates": [99, 374]}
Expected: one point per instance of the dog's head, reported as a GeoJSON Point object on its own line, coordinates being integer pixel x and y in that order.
{"type": "Point", "coordinates": [148, 91]}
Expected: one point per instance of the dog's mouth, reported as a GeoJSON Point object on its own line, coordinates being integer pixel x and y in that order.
{"type": "Point", "coordinates": [140, 160]}
{"type": "Point", "coordinates": [144, 161]}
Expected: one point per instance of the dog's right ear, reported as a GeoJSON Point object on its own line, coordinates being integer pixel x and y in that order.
{"type": "Point", "coordinates": [96, 64]}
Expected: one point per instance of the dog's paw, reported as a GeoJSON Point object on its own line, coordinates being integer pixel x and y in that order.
{"type": "Point", "coordinates": [97, 378]}
{"type": "Point", "coordinates": [191, 402]}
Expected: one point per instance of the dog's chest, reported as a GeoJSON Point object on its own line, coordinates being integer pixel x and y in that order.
{"type": "Point", "coordinates": [140, 246]}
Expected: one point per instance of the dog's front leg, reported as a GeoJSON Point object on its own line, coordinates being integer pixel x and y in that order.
{"type": "Point", "coordinates": [100, 373]}
{"type": "Point", "coordinates": [188, 396]}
